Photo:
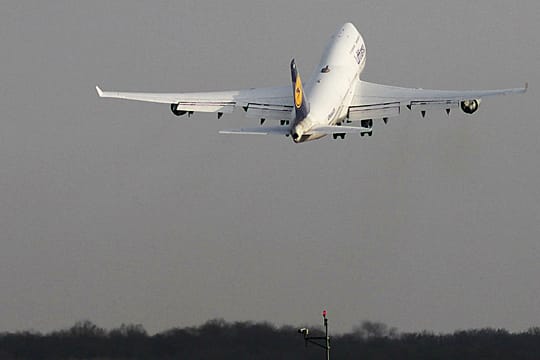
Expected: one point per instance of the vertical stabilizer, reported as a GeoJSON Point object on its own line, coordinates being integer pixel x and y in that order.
{"type": "Point", "coordinates": [301, 105]}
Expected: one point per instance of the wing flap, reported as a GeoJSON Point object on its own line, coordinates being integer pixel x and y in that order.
{"type": "Point", "coordinates": [269, 111]}
{"type": "Point", "coordinates": [433, 104]}
{"type": "Point", "coordinates": [374, 111]}
{"type": "Point", "coordinates": [207, 106]}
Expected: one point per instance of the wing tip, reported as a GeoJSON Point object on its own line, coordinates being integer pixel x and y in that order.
{"type": "Point", "coordinates": [99, 91]}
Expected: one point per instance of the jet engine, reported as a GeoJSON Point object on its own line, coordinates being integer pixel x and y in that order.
{"type": "Point", "coordinates": [175, 111]}
{"type": "Point", "coordinates": [470, 106]}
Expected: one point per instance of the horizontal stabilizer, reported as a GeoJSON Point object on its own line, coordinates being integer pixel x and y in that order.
{"type": "Point", "coordinates": [332, 129]}
{"type": "Point", "coordinates": [262, 130]}
{"type": "Point", "coordinates": [284, 130]}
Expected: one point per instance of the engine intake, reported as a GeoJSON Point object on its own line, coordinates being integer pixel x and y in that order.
{"type": "Point", "coordinates": [470, 106]}
{"type": "Point", "coordinates": [175, 111]}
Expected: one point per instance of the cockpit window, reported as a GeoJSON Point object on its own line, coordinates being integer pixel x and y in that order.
{"type": "Point", "coordinates": [325, 69]}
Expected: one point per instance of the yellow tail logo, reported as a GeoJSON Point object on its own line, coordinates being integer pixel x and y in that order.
{"type": "Point", "coordinates": [298, 92]}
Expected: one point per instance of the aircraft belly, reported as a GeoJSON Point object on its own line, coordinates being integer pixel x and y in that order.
{"type": "Point", "coordinates": [326, 99]}
{"type": "Point", "coordinates": [330, 101]}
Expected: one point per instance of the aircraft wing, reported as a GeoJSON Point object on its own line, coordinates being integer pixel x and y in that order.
{"type": "Point", "coordinates": [266, 103]}
{"type": "Point", "coordinates": [382, 101]}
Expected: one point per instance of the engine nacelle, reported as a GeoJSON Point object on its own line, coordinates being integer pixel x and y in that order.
{"type": "Point", "coordinates": [470, 106]}
{"type": "Point", "coordinates": [175, 111]}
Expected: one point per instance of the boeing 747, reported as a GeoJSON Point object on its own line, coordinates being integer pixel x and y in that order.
{"type": "Point", "coordinates": [331, 101]}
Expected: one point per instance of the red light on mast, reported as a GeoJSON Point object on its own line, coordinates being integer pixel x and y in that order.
{"type": "Point", "coordinates": [324, 313]}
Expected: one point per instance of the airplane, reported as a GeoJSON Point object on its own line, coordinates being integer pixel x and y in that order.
{"type": "Point", "coordinates": [334, 97]}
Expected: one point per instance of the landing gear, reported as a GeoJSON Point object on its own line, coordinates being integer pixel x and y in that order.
{"type": "Point", "coordinates": [368, 124]}
{"type": "Point", "coordinates": [368, 133]}
{"type": "Point", "coordinates": [284, 122]}
{"type": "Point", "coordinates": [338, 135]}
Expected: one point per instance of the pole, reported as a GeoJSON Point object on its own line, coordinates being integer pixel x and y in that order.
{"type": "Point", "coordinates": [317, 340]}
{"type": "Point", "coordinates": [327, 347]}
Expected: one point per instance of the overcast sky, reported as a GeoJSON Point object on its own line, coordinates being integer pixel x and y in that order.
{"type": "Point", "coordinates": [119, 212]}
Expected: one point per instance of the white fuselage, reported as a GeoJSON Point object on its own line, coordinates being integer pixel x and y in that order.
{"type": "Point", "coordinates": [331, 88]}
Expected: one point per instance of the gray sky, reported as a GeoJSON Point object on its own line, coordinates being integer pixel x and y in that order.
{"type": "Point", "coordinates": [120, 212]}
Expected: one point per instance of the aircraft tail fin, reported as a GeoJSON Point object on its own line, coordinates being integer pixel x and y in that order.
{"type": "Point", "coordinates": [301, 106]}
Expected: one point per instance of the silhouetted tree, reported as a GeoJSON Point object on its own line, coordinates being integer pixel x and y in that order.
{"type": "Point", "coordinates": [218, 339]}
{"type": "Point", "coordinates": [370, 329]}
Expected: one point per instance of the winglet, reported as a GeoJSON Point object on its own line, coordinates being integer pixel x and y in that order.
{"type": "Point", "coordinates": [99, 91]}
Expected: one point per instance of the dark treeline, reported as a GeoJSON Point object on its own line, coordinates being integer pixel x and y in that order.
{"type": "Point", "coordinates": [218, 339]}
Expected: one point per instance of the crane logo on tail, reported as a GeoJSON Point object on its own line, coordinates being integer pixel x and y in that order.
{"type": "Point", "coordinates": [299, 97]}
{"type": "Point", "coordinates": [298, 92]}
